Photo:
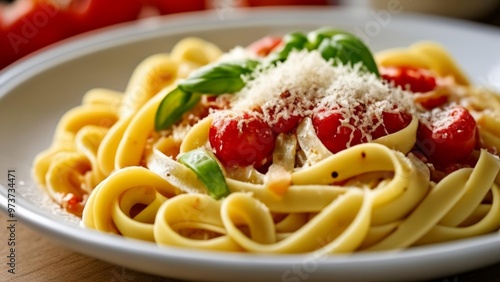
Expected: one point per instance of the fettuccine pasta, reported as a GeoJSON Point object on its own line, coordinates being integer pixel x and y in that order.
{"type": "Point", "coordinates": [290, 145]}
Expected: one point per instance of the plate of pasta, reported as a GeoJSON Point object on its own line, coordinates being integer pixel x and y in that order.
{"type": "Point", "coordinates": [267, 144]}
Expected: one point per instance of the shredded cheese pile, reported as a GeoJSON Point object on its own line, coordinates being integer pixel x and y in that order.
{"type": "Point", "coordinates": [307, 84]}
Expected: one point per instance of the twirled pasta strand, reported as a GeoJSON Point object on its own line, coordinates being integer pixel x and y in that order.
{"type": "Point", "coordinates": [369, 197]}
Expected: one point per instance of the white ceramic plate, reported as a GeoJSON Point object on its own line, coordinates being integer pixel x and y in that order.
{"type": "Point", "coordinates": [36, 92]}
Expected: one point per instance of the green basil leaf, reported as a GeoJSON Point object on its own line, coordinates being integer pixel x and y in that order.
{"type": "Point", "coordinates": [219, 79]}
{"type": "Point", "coordinates": [211, 79]}
{"type": "Point", "coordinates": [316, 37]}
{"type": "Point", "coordinates": [348, 49]}
{"type": "Point", "coordinates": [208, 171]}
{"type": "Point", "coordinates": [173, 106]}
{"type": "Point", "coordinates": [291, 41]}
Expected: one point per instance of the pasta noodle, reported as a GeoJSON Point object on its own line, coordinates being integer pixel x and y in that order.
{"type": "Point", "coordinates": [247, 166]}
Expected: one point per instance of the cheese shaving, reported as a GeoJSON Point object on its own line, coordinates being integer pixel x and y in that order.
{"type": "Point", "coordinates": [438, 118]}
{"type": "Point", "coordinates": [306, 84]}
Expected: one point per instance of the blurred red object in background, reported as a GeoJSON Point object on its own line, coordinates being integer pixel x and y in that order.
{"type": "Point", "coordinates": [171, 7]}
{"type": "Point", "coordinates": [254, 3]}
{"type": "Point", "coordinates": [85, 15]}
{"type": "Point", "coordinates": [28, 25]}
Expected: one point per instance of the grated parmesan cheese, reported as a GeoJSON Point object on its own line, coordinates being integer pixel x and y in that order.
{"type": "Point", "coordinates": [306, 84]}
{"type": "Point", "coordinates": [438, 118]}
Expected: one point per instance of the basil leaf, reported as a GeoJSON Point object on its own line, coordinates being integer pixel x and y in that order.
{"type": "Point", "coordinates": [208, 171]}
{"type": "Point", "coordinates": [348, 49]}
{"type": "Point", "coordinates": [316, 37]}
{"type": "Point", "coordinates": [291, 41]}
{"type": "Point", "coordinates": [173, 106]}
{"type": "Point", "coordinates": [219, 79]}
{"type": "Point", "coordinates": [211, 79]}
{"type": "Point", "coordinates": [228, 77]}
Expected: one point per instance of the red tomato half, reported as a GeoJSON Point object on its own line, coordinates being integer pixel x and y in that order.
{"type": "Point", "coordinates": [333, 133]}
{"type": "Point", "coordinates": [417, 80]}
{"type": "Point", "coordinates": [284, 123]}
{"type": "Point", "coordinates": [337, 134]}
{"type": "Point", "coordinates": [241, 140]}
{"type": "Point", "coordinates": [392, 122]}
{"type": "Point", "coordinates": [449, 136]}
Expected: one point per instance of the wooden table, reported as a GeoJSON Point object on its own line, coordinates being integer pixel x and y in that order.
{"type": "Point", "coordinates": [38, 258]}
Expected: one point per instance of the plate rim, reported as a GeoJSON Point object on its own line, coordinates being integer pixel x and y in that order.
{"type": "Point", "coordinates": [80, 45]}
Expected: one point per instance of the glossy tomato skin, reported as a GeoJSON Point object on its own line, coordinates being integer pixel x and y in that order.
{"type": "Point", "coordinates": [337, 132]}
{"type": "Point", "coordinates": [280, 124]}
{"type": "Point", "coordinates": [392, 122]}
{"type": "Point", "coordinates": [444, 143]}
{"type": "Point", "coordinates": [416, 79]}
{"type": "Point", "coordinates": [335, 135]}
{"type": "Point", "coordinates": [432, 103]}
{"type": "Point", "coordinates": [241, 140]}
{"type": "Point", "coordinates": [285, 123]}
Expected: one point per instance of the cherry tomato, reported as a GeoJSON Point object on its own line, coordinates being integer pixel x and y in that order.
{"type": "Point", "coordinates": [335, 135]}
{"type": "Point", "coordinates": [391, 122]}
{"type": "Point", "coordinates": [285, 125]}
{"type": "Point", "coordinates": [241, 140]}
{"type": "Point", "coordinates": [265, 45]}
{"type": "Point", "coordinates": [448, 136]}
{"type": "Point", "coordinates": [417, 80]}
{"type": "Point", "coordinates": [467, 162]}
{"type": "Point", "coordinates": [280, 123]}
{"type": "Point", "coordinates": [432, 103]}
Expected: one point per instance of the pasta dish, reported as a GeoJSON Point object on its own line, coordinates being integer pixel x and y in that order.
{"type": "Point", "coordinates": [296, 143]}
